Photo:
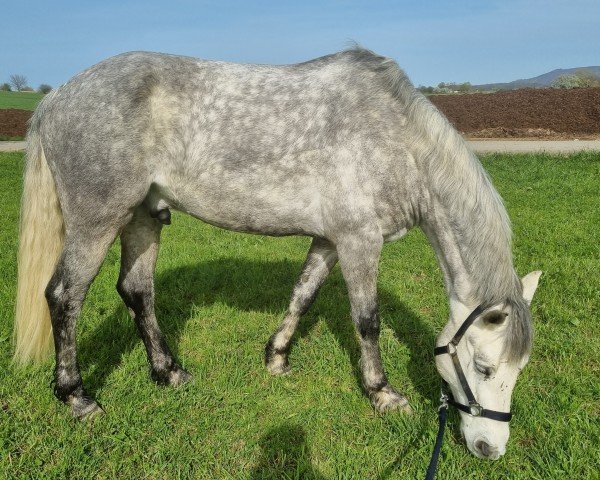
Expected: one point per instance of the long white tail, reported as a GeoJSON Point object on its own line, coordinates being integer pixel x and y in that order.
{"type": "Point", "coordinates": [40, 245]}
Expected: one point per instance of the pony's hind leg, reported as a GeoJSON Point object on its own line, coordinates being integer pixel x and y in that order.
{"type": "Point", "coordinates": [321, 258]}
{"type": "Point", "coordinates": [139, 250]}
{"type": "Point", "coordinates": [79, 263]}
{"type": "Point", "coordinates": [359, 258]}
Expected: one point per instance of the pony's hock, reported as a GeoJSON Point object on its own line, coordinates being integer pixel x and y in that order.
{"type": "Point", "coordinates": [341, 148]}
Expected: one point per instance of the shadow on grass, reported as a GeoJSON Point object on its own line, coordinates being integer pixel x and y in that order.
{"type": "Point", "coordinates": [250, 285]}
{"type": "Point", "coordinates": [285, 454]}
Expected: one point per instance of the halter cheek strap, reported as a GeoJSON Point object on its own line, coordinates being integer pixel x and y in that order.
{"type": "Point", "coordinates": [473, 408]}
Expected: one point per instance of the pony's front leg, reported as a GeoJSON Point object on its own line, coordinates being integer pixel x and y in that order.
{"type": "Point", "coordinates": [359, 258]}
{"type": "Point", "coordinates": [321, 258]}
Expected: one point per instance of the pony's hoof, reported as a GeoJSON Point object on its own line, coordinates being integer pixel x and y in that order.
{"type": "Point", "coordinates": [84, 408]}
{"type": "Point", "coordinates": [173, 377]}
{"type": "Point", "coordinates": [276, 360]}
{"type": "Point", "coordinates": [278, 364]}
{"type": "Point", "coordinates": [179, 377]}
{"type": "Point", "coordinates": [387, 399]}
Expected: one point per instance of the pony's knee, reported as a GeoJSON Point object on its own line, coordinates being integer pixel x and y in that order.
{"type": "Point", "coordinates": [302, 301]}
{"type": "Point", "coordinates": [368, 324]}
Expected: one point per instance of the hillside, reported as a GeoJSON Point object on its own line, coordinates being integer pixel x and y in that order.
{"type": "Point", "coordinates": [544, 80]}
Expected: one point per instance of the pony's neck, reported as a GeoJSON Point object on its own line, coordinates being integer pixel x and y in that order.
{"type": "Point", "coordinates": [468, 227]}
{"type": "Point", "coordinates": [458, 280]}
{"type": "Point", "coordinates": [463, 215]}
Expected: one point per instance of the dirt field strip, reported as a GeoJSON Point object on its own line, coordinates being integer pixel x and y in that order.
{"type": "Point", "coordinates": [535, 113]}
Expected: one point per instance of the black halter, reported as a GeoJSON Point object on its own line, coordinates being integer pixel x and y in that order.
{"type": "Point", "coordinates": [473, 408]}
{"type": "Point", "coordinates": [446, 399]}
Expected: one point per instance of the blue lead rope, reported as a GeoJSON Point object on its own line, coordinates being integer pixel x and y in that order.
{"type": "Point", "coordinates": [442, 415]}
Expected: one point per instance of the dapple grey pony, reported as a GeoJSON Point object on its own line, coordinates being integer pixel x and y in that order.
{"type": "Point", "coordinates": [341, 149]}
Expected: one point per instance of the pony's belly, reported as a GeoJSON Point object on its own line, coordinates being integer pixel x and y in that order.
{"type": "Point", "coordinates": [268, 210]}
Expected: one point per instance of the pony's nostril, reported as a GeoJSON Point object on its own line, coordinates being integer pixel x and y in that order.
{"type": "Point", "coordinates": [486, 449]}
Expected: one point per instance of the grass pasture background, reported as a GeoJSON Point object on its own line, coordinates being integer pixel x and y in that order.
{"type": "Point", "coordinates": [20, 100]}
{"type": "Point", "coordinates": [219, 297]}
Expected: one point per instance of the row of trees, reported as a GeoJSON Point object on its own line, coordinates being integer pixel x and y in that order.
{"type": "Point", "coordinates": [580, 79]}
{"type": "Point", "coordinates": [19, 84]}
{"type": "Point", "coordinates": [447, 87]}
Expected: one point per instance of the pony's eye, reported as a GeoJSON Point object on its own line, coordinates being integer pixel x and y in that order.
{"type": "Point", "coordinates": [485, 371]}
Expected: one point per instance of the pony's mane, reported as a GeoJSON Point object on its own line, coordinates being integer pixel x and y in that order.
{"type": "Point", "coordinates": [479, 219]}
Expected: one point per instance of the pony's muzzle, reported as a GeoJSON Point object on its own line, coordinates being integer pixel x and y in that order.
{"type": "Point", "coordinates": [483, 449]}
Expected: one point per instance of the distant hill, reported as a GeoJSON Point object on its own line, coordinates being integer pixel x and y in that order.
{"type": "Point", "coordinates": [544, 80]}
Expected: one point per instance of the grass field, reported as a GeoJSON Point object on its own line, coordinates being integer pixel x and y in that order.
{"type": "Point", "coordinates": [219, 297]}
{"type": "Point", "coordinates": [20, 100]}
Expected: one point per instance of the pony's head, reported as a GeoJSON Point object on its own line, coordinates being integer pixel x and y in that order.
{"type": "Point", "coordinates": [490, 367]}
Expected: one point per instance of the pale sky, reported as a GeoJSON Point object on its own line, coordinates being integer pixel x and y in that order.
{"type": "Point", "coordinates": [479, 41]}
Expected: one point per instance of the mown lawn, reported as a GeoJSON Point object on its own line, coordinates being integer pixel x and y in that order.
{"type": "Point", "coordinates": [221, 294]}
{"type": "Point", "coordinates": [20, 100]}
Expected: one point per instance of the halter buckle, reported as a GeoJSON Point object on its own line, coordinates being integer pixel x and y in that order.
{"type": "Point", "coordinates": [475, 409]}
{"type": "Point", "coordinates": [451, 349]}
{"type": "Point", "coordinates": [443, 401]}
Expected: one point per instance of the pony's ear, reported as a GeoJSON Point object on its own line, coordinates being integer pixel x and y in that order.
{"type": "Point", "coordinates": [495, 317]}
{"type": "Point", "coordinates": [530, 284]}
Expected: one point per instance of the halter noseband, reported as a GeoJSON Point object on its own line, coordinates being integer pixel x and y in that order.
{"type": "Point", "coordinates": [473, 408]}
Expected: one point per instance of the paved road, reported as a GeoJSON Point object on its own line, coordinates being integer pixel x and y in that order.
{"type": "Point", "coordinates": [531, 146]}
{"type": "Point", "coordinates": [11, 146]}
{"type": "Point", "coordinates": [479, 146]}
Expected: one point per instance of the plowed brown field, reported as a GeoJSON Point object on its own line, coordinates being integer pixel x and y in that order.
{"type": "Point", "coordinates": [13, 123]}
{"type": "Point", "coordinates": [527, 113]}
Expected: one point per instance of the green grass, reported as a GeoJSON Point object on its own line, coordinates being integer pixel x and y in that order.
{"type": "Point", "coordinates": [219, 297]}
{"type": "Point", "coordinates": [20, 100]}
{"type": "Point", "coordinates": [7, 138]}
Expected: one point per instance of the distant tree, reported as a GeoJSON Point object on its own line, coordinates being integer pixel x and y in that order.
{"type": "Point", "coordinates": [463, 87]}
{"type": "Point", "coordinates": [588, 78]}
{"type": "Point", "coordinates": [566, 81]}
{"type": "Point", "coordinates": [18, 82]}
{"type": "Point", "coordinates": [27, 88]}
{"type": "Point", "coordinates": [5, 87]}
{"type": "Point", "coordinates": [44, 88]}
{"type": "Point", "coordinates": [579, 79]}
